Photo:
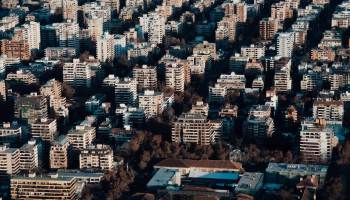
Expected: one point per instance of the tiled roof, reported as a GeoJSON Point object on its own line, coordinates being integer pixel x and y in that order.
{"type": "Point", "coordinates": [186, 163]}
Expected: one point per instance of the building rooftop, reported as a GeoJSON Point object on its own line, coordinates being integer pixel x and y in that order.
{"type": "Point", "coordinates": [162, 178]}
{"type": "Point", "coordinates": [186, 163]}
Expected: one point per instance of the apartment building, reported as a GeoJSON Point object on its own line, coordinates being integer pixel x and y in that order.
{"type": "Point", "coordinates": [193, 128]}
{"type": "Point", "coordinates": [70, 10]}
{"type": "Point", "coordinates": [105, 47]}
{"type": "Point", "coordinates": [43, 187]}
{"type": "Point", "coordinates": [329, 110]}
{"type": "Point", "coordinates": [16, 49]}
{"type": "Point", "coordinates": [282, 80]}
{"type": "Point", "coordinates": [217, 93]}
{"type": "Point", "coordinates": [200, 107]}
{"type": "Point", "coordinates": [45, 129]}
{"type": "Point", "coordinates": [22, 76]}
{"type": "Point", "coordinates": [175, 76]}
{"type": "Point", "coordinates": [10, 132]}
{"type": "Point", "coordinates": [3, 90]}
{"type": "Point", "coordinates": [232, 82]}
{"type": "Point", "coordinates": [80, 137]}
{"type": "Point", "coordinates": [29, 156]}
{"type": "Point", "coordinates": [59, 153]}
{"type": "Point", "coordinates": [10, 160]}
{"type": "Point", "coordinates": [146, 77]}
{"type": "Point", "coordinates": [77, 74]}
{"type": "Point", "coordinates": [125, 91]}
{"type": "Point", "coordinates": [96, 156]}
{"type": "Point", "coordinates": [152, 103]}
{"type": "Point", "coordinates": [253, 51]}
{"type": "Point", "coordinates": [268, 28]}
{"type": "Point", "coordinates": [56, 53]}
{"type": "Point", "coordinates": [31, 107]}
{"type": "Point", "coordinates": [285, 44]}
{"type": "Point", "coordinates": [316, 142]}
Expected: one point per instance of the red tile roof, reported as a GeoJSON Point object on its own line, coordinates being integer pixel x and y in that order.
{"type": "Point", "coordinates": [186, 163]}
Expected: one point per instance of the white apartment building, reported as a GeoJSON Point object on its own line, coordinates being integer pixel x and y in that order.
{"type": "Point", "coordinates": [232, 81]}
{"type": "Point", "coordinates": [98, 156]}
{"type": "Point", "coordinates": [29, 156]}
{"type": "Point", "coordinates": [316, 142]}
{"type": "Point", "coordinates": [146, 77]}
{"type": "Point", "coordinates": [81, 136]}
{"type": "Point", "coordinates": [70, 10]}
{"type": "Point", "coordinates": [253, 51]}
{"type": "Point", "coordinates": [22, 75]}
{"type": "Point", "coordinates": [153, 25]}
{"type": "Point", "coordinates": [125, 91]}
{"type": "Point", "coordinates": [67, 34]}
{"type": "Point", "coordinates": [29, 32]}
{"type": "Point", "coordinates": [59, 153]}
{"type": "Point", "coordinates": [105, 47]}
{"type": "Point", "coordinates": [217, 93]}
{"type": "Point", "coordinates": [95, 27]}
{"type": "Point", "coordinates": [329, 110]}
{"type": "Point", "coordinates": [285, 44]}
{"type": "Point", "coordinates": [54, 187]}
{"type": "Point", "coordinates": [175, 76]}
{"type": "Point", "coordinates": [312, 81]}
{"type": "Point", "coordinates": [77, 74]}
{"type": "Point", "coordinates": [10, 162]}
{"type": "Point", "coordinates": [152, 103]}
{"type": "Point", "coordinates": [193, 128]}
{"type": "Point", "coordinates": [45, 129]}
{"type": "Point", "coordinates": [282, 80]}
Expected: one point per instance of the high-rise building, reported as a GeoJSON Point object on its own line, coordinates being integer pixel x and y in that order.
{"type": "Point", "coordinates": [70, 10]}
{"type": "Point", "coordinates": [45, 129]}
{"type": "Point", "coordinates": [146, 77]}
{"type": "Point", "coordinates": [240, 10]}
{"type": "Point", "coordinates": [285, 44]}
{"type": "Point", "coordinates": [31, 107]}
{"type": "Point", "coordinates": [23, 76]}
{"type": "Point", "coordinates": [113, 4]}
{"type": "Point", "coordinates": [67, 35]}
{"type": "Point", "coordinates": [193, 128]}
{"type": "Point", "coordinates": [217, 93]}
{"type": "Point", "coordinates": [253, 51]}
{"type": "Point", "coordinates": [175, 77]}
{"type": "Point", "coordinates": [282, 80]}
{"type": "Point", "coordinates": [10, 133]}
{"type": "Point", "coordinates": [95, 27]}
{"type": "Point", "coordinates": [259, 127]}
{"type": "Point", "coordinates": [105, 47]}
{"type": "Point", "coordinates": [29, 32]}
{"type": "Point", "coordinates": [125, 91]}
{"type": "Point", "coordinates": [52, 90]}
{"type": "Point", "coordinates": [153, 25]}
{"type": "Point", "coordinates": [2, 90]}
{"type": "Point", "coordinates": [59, 153]}
{"type": "Point", "coordinates": [10, 163]}
{"type": "Point", "coordinates": [16, 49]}
{"type": "Point", "coordinates": [54, 187]}
{"type": "Point", "coordinates": [80, 137]}
{"type": "Point", "coordinates": [29, 156]}
{"type": "Point", "coordinates": [152, 103]}
{"type": "Point", "coordinates": [268, 28]}
{"type": "Point", "coordinates": [328, 109]}
{"type": "Point", "coordinates": [232, 82]}
{"type": "Point", "coordinates": [316, 142]}
{"type": "Point", "coordinates": [281, 11]}
{"type": "Point", "coordinates": [226, 29]}
{"type": "Point", "coordinates": [77, 74]}
{"type": "Point", "coordinates": [96, 156]}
